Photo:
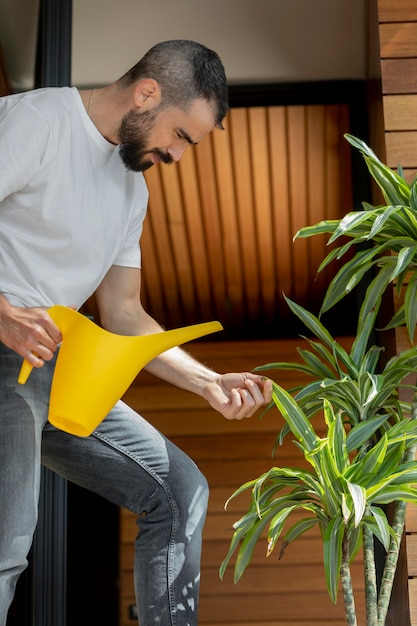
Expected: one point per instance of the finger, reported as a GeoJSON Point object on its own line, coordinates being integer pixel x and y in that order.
{"type": "Point", "coordinates": [246, 406]}
{"type": "Point", "coordinates": [33, 359]}
{"type": "Point", "coordinates": [234, 406]}
{"type": "Point", "coordinates": [255, 390]}
{"type": "Point", "coordinates": [267, 390]}
{"type": "Point", "coordinates": [46, 332]}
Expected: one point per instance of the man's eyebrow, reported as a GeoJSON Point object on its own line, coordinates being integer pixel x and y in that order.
{"type": "Point", "coordinates": [186, 136]}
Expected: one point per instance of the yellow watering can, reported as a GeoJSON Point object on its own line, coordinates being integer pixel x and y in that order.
{"type": "Point", "coordinates": [94, 367]}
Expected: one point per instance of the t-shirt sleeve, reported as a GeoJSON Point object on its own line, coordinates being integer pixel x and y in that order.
{"type": "Point", "coordinates": [130, 254]}
{"type": "Point", "coordinates": [24, 136]}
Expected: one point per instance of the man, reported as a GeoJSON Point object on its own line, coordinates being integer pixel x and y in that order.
{"type": "Point", "coordinates": [72, 204]}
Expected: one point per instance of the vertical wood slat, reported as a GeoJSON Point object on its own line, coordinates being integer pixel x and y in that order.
{"type": "Point", "coordinates": [174, 205]}
{"type": "Point", "coordinates": [242, 175]}
{"type": "Point", "coordinates": [230, 242]}
{"type": "Point", "coordinates": [156, 237]}
{"type": "Point", "coordinates": [298, 182]}
{"type": "Point", "coordinates": [262, 207]}
{"type": "Point", "coordinates": [398, 58]}
{"type": "Point", "coordinates": [281, 202]}
{"type": "Point", "coordinates": [221, 222]}
{"type": "Point", "coordinates": [195, 233]}
{"type": "Point", "coordinates": [212, 225]}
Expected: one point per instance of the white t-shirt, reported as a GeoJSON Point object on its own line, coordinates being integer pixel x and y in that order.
{"type": "Point", "coordinates": [69, 209]}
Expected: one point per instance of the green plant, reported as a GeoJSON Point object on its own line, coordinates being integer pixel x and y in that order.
{"type": "Point", "coordinates": [366, 458]}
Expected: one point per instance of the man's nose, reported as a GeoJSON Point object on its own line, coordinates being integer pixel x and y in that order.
{"type": "Point", "coordinates": [177, 149]}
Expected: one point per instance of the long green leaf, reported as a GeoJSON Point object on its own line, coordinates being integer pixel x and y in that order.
{"type": "Point", "coordinates": [410, 307]}
{"type": "Point", "coordinates": [392, 493]}
{"type": "Point", "coordinates": [294, 416]}
{"type": "Point", "coordinates": [382, 523]}
{"type": "Point", "coordinates": [332, 549]}
{"type": "Point", "coordinates": [404, 258]}
{"type": "Point", "coordinates": [350, 221]}
{"type": "Point", "coordinates": [358, 494]}
{"type": "Point", "coordinates": [325, 226]}
{"type": "Point", "coordinates": [349, 275]}
{"type": "Point", "coordinates": [299, 528]}
{"type": "Point", "coordinates": [317, 328]}
{"type": "Point", "coordinates": [363, 432]}
{"type": "Point", "coordinates": [394, 188]}
{"type": "Point", "coordinates": [249, 542]}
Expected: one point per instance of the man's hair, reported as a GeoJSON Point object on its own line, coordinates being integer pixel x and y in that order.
{"type": "Point", "coordinates": [185, 70]}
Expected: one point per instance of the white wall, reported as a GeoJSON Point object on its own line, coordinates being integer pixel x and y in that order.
{"type": "Point", "coordinates": [258, 40]}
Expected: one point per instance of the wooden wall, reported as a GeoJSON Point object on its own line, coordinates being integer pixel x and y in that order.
{"type": "Point", "coordinates": [217, 241]}
{"type": "Point", "coordinates": [398, 52]}
{"type": "Point", "coordinates": [289, 592]}
{"type": "Point", "coordinates": [397, 20]}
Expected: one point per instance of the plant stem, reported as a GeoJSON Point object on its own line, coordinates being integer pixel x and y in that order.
{"type": "Point", "coordinates": [391, 561]}
{"type": "Point", "coordinates": [347, 587]}
{"type": "Point", "coordinates": [398, 525]}
{"type": "Point", "coordinates": [371, 597]}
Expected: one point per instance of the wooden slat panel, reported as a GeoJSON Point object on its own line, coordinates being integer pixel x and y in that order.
{"type": "Point", "coordinates": [318, 158]}
{"type": "Point", "coordinates": [196, 235]}
{"type": "Point", "coordinates": [209, 208]}
{"type": "Point", "coordinates": [230, 242]}
{"type": "Point", "coordinates": [411, 519]}
{"type": "Point", "coordinates": [399, 76]}
{"type": "Point", "coordinates": [402, 148]}
{"type": "Point", "coordinates": [238, 127]}
{"type": "Point", "coordinates": [174, 205]}
{"type": "Point", "coordinates": [397, 10]}
{"type": "Point", "coordinates": [259, 140]}
{"type": "Point", "coordinates": [277, 579]}
{"type": "Point", "coordinates": [299, 198]}
{"type": "Point", "coordinates": [281, 207]}
{"type": "Point", "coordinates": [412, 586]}
{"type": "Point", "coordinates": [400, 112]}
{"type": "Point", "coordinates": [232, 610]}
{"type": "Point", "coordinates": [218, 242]}
{"type": "Point", "coordinates": [156, 235]}
{"type": "Point", "coordinates": [152, 299]}
{"type": "Point", "coordinates": [263, 607]}
{"type": "Point", "coordinates": [398, 40]}
{"type": "Point", "coordinates": [412, 554]}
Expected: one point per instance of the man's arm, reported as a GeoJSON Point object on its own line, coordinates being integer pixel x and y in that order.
{"type": "Point", "coordinates": [234, 395]}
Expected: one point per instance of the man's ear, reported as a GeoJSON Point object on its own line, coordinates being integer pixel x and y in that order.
{"type": "Point", "coordinates": [147, 94]}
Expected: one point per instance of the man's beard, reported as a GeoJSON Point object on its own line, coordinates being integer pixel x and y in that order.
{"type": "Point", "coordinates": [134, 132]}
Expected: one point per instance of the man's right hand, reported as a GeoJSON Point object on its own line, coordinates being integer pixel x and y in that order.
{"type": "Point", "coordinates": [29, 331]}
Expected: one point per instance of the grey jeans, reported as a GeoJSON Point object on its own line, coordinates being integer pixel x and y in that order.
{"type": "Point", "coordinates": [127, 461]}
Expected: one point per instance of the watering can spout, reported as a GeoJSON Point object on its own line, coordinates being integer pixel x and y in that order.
{"type": "Point", "coordinates": [94, 367]}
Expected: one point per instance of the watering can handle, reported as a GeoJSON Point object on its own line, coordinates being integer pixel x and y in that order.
{"type": "Point", "coordinates": [25, 370]}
